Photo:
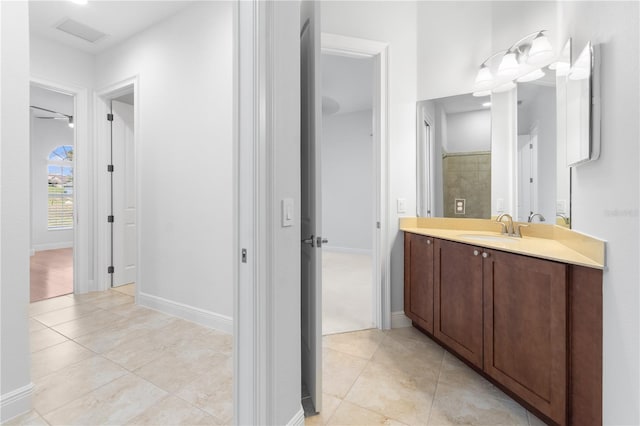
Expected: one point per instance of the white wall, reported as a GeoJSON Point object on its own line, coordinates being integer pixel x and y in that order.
{"type": "Point", "coordinates": [468, 131]}
{"type": "Point", "coordinates": [347, 180]}
{"type": "Point", "coordinates": [453, 39]}
{"type": "Point", "coordinates": [185, 154]}
{"type": "Point", "coordinates": [46, 135]}
{"type": "Point", "coordinates": [59, 63]}
{"type": "Point", "coordinates": [605, 193]}
{"type": "Point", "coordinates": [15, 360]}
{"type": "Point", "coordinates": [393, 23]}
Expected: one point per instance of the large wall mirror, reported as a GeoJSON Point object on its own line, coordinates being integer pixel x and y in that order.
{"type": "Point", "coordinates": [478, 157]}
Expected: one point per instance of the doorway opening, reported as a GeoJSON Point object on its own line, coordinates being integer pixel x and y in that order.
{"type": "Point", "coordinates": [118, 199]}
{"type": "Point", "coordinates": [52, 140]}
{"type": "Point", "coordinates": [348, 201]}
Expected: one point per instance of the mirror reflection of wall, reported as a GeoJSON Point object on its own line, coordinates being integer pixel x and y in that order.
{"type": "Point", "coordinates": [536, 155]}
{"type": "Point", "coordinates": [455, 140]}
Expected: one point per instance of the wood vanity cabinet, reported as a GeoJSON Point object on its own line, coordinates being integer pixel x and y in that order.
{"type": "Point", "coordinates": [458, 298]}
{"type": "Point", "coordinates": [525, 329]}
{"type": "Point", "coordinates": [532, 326]}
{"type": "Point", "coordinates": [418, 280]}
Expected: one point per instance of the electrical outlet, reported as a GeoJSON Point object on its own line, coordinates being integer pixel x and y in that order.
{"type": "Point", "coordinates": [460, 205]}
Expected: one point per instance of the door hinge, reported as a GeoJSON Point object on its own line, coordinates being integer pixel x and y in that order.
{"type": "Point", "coordinates": [110, 270]}
{"type": "Point", "coordinates": [530, 180]}
{"type": "Point", "coordinates": [378, 225]}
{"type": "Point", "coordinates": [110, 219]}
{"type": "Point", "coordinates": [109, 117]}
{"type": "Point", "coordinates": [110, 168]}
{"type": "Point", "coordinates": [244, 255]}
{"type": "Point", "coordinates": [530, 146]}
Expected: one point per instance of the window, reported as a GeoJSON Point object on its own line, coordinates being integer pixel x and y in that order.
{"type": "Point", "coordinates": [60, 191]}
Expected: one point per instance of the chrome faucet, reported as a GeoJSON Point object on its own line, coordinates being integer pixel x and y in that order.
{"type": "Point", "coordinates": [533, 215]}
{"type": "Point", "coordinates": [507, 228]}
{"type": "Point", "coordinates": [564, 218]}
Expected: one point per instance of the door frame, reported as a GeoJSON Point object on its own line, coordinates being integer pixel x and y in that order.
{"type": "Point", "coordinates": [352, 47]}
{"type": "Point", "coordinates": [82, 179]}
{"type": "Point", "coordinates": [102, 183]}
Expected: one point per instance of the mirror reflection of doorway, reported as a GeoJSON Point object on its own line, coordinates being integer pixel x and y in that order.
{"type": "Point", "coordinates": [52, 193]}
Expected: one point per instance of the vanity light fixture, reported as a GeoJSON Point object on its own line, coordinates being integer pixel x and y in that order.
{"type": "Point", "coordinates": [481, 93]}
{"type": "Point", "coordinates": [486, 104]}
{"type": "Point", "coordinates": [520, 62]}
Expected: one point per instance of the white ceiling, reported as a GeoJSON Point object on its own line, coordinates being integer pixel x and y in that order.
{"type": "Point", "coordinates": [347, 82]}
{"type": "Point", "coordinates": [118, 19]}
{"type": "Point", "coordinates": [48, 99]}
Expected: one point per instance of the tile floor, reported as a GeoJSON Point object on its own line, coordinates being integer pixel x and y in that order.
{"type": "Point", "coordinates": [401, 377]}
{"type": "Point", "coordinates": [346, 292]}
{"type": "Point", "coordinates": [99, 359]}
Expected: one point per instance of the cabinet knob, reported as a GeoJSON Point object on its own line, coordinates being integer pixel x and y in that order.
{"type": "Point", "coordinates": [476, 252]}
{"type": "Point", "coordinates": [428, 242]}
{"type": "Point", "coordinates": [485, 255]}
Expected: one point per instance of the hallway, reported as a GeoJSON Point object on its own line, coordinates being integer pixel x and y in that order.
{"type": "Point", "coordinates": [99, 359]}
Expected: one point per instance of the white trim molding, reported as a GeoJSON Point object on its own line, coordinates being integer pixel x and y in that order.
{"type": "Point", "coordinates": [199, 316]}
{"type": "Point", "coordinates": [297, 419]}
{"type": "Point", "coordinates": [52, 246]}
{"type": "Point", "coordinates": [399, 320]}
{"type": "Point", "coordinates": [16, 402]}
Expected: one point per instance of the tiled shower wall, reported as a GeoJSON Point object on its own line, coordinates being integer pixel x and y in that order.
{"type": "Point", "coordinates": [467, 176]}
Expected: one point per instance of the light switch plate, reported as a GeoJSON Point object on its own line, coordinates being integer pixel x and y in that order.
{"type": "Point", "coordinates": [287, 212]}
{"type": "Point", "coordinates": [561, 206]}
{"type": "Point", "coordinates": [402, 205]}
{"type": "Point", "coordinates": [500, 205]}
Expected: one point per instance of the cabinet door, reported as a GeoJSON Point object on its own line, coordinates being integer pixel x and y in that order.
{"type": "Point", "coordinates": [458, 298]}
{"type": "Point", "coordinates": [418, 280]}
{"type": "Point", "coordinates": [525, 329]}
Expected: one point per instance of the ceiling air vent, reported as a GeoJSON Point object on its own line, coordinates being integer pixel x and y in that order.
{"type": "Point", "coordinates": [82, 31]}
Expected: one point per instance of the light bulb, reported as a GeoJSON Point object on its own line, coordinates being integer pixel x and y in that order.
{"type": "Point", "coordinates": [484, 79]}
{"type": "Point", "coordinates": [481, 93]}
{"type": "Point", "coordinates": [541, 50]}
{"type": "Point", "coordinates": [509, 65]}
{"type": "Point", "coordinates": [82, 2]}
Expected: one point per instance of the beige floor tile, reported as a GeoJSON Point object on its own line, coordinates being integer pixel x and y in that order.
{"type": "Point", "coordinates": [35, 325]}
{"type": "Point", "coordinates": [44, 338]}
{"type": "Point", "coordinates": [66, 314]}
{"type": "Point", "coordinates": [129, 289]}
{"type": "Point", "coordinates": [459, 406]}
{"type": "Point", "coordinates": [534, 421]}
{"type": "Point", "coordinates": [44, 306]}
{"type": "Point", "coordinates": [362, 344]}
{"type": "Point", "coordinates": [54, 358]}
{"type": "Point", "coordinates": [351, 414]}
{"type": "Point", "coordinates": [69, 383]}
{"type": "Point", "coordinates": [115, 403]}
{"type": "Point", "coordinates": [133, 327]}
{"type": "Point", "coordinates": [88, 297]}
{"type": "Point", "coordinates": [212, 392]}
{"type": "Point", "coordinates": [415, 355]}
{"type": "Point", "coordinates": [88, 324]}
{"type": "Point", "coordinates": [172, 372]}
{"type": "Point", "coordinates": [456, 373]}
{"type": "Point", "coordinates": [386, 389]}
{"type": "Point", "coordinates": [173, 411]}
{"type": "Point", "coordinates": [112, 300]}
{"type": "Point", "coordinates": [32, 418]}
{"type": "Point", "coordinates": [329, 405]}
{"type": "Point", "coordinates": [339, 372]}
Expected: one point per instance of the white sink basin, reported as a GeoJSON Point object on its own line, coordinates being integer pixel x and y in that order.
{"type": "Point", "coordinates": [494, 238]}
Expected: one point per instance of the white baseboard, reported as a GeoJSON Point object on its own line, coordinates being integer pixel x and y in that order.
{"type": "Point", "coordinates": [297, 419]}
{"type": "Point", "coordinates": [199, 316]}
{"type": "Point", "coordinates": [347, 250]}
{"type": "Point", "coordinates": [15, 403]}
{"type": "Point", "coordinates": [399, 320]}
{"type": "Point", "coordinates": [52, 246]}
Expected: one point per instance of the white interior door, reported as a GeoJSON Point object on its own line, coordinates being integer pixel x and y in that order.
{"type": "Point", "coordinates": [311, 204]}
{"type": "Point", "coordinates": [124, 195]}
{"type": "Point", "coordinates": [525, 176]}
